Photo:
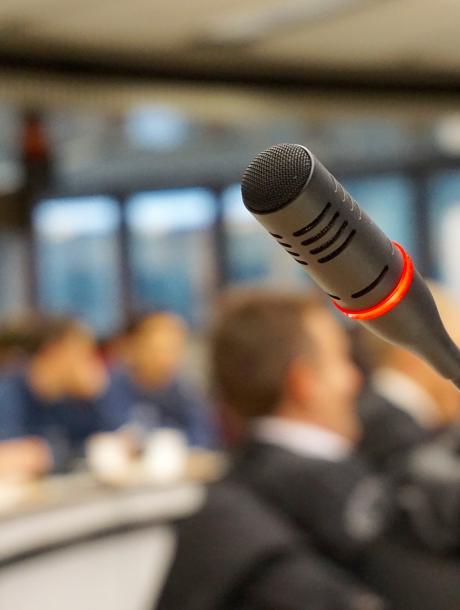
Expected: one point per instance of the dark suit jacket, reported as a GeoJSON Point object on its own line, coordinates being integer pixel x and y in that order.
{"type": "Point", "coordinates": [404, 566]}
{"type": "Point", "coordinates": [389, 433]}
{"type": "Point", "coordinates": [339, 506]}
{"type": "Point", "coordinates": [237, 553]}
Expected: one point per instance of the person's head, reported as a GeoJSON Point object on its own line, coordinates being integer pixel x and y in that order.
{"type": "Point", "coordinates": [155, 346]}
{"type": "Point", "coordinates": [285, 355]}
{"type": "Point", "coordinates": [443, 392]}
{"type": "Point", "coordinates": [14, 338]}
{"type": "Point", "coordinates": [63, 358]}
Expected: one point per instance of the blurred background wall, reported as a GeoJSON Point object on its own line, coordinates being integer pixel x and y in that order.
{"type": "Point", "coordinates": [125, 127]}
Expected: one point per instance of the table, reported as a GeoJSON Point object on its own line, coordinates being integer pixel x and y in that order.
{"type": "Point", "coordinates": [76, 544]}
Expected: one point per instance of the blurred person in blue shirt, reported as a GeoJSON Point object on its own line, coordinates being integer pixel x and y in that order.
{"type": "Point", "coordinates": [152, 350]}
{"type": "Point", "coordinates": [60, 396]}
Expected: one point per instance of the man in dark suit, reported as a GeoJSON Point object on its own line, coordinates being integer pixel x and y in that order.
{"type": "Point", "coordinates": [406, 402]}
{"type": "Point", "coordinates": [284, 366]}
{"type": "Point", "coordinates": [411, 432]}
{"type": "Point", "coordinates": [281, 363]}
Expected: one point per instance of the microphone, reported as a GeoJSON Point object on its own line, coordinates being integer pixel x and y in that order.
{"type": "Point", "coordinates": [368, 277]}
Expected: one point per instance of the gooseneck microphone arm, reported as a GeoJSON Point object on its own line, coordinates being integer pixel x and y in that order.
{"type": "Point", "coordinates": [368, 277]}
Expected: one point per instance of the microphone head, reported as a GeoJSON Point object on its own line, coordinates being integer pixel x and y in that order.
{"type": "Point", "coordinates": [275, 178]}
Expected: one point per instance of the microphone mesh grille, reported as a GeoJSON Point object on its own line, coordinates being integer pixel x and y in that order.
{"type": "Point", "coordinates": [275, 177]}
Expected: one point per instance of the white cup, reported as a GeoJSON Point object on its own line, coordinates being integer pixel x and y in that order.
{"type": "Point", "coordinates": [166, 455]}
{"type": "Point", "coordinates": [107, 457]}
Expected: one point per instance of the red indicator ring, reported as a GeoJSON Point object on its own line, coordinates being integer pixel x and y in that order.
{"type": "Point", "coordinates": [395, 297]}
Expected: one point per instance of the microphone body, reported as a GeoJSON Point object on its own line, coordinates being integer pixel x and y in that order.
{"type": "Point", "coordinates": [368, 277]}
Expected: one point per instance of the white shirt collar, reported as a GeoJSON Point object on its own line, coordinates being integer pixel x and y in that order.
{"type": "Point", "coordinates": [405, 393]}
{"type": "Point", "coordinates": [303, 439]}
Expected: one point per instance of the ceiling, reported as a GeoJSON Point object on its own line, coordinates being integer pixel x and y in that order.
{"type": "Point", "coordinates": [370, 41]}
{"type": "Point", "coordinates": [275, 69]}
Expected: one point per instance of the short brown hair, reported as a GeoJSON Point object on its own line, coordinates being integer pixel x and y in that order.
{"type": "Point", "coordinates": [33, 331]}
{"type": "Point", "coordinates": [256, 337]}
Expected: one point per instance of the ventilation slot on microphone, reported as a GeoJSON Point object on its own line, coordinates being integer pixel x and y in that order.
{"type": "Point", "coordinates": [276, 235]}
{"type": "Point", "coordinates": [300, 262]}
{"type": "Point", "coordinates": [314, 223]}
{"type": "Point", "coordinates": [284, 245]}
{"type": "Point", "coordinates": [339, 250]}
{"type": "Point", "coordinates": [372, 285]}
{"type": "Point", "coordinates": [333, 296]}
{"type": "Point", "coordinates": [330, 241]}
{"type": "Point", "coordinates": [322, 233]}
{"type": "Point", "coordinates": [293, 253]}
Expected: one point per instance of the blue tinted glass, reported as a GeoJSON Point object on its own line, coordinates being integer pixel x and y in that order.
{"type": "Point", "coordinates": [172, 250]}
{"type": "Point", "coordinates": [253, 255]}
{"type": "Point", "coordinates": [249, 247]}
{"type": "Point", "coordinates": [389, 201]}
{"type": "Point", "coordinates": [156, 127]}
{"type": "Point", "coordinates": [78, 263]}
{"type": "Point", "coordinates": [445, 224]}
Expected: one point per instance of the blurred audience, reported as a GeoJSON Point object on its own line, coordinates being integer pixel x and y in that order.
{"type": "Point", "coordinates": [152, 350]}
{"type": "Point", "coordinates": [55, 398]}
{"type": "Point", "coordinates": [281, 364]}
{"type": "Point", "coordinates": [406, 401]}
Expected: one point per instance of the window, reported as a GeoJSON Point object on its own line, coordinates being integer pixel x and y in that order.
{"type": "Point", "coordinates": [171, 244]}
{"type": "Point", "coordinates": [252, 254]}
{"type": "Point", "coordinates": [78, 260]}
{"type": "Point", "coordinates": [445, 223]}
{"type": "Point", "coordinates": [389, 201]}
